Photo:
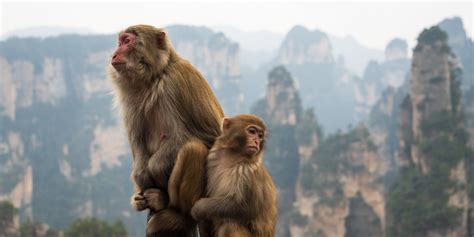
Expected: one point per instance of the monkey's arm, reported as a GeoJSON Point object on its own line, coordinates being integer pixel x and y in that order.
{"type": "Point", "coordinates": [222, 207]}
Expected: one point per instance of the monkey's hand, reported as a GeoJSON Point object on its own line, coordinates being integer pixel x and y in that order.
{"type": "Point", "coordinates": [198, 212]}
{"type": "Point", "coordinates": [155, 198]}
{"type": "Point", "coordinates": [138, 202]}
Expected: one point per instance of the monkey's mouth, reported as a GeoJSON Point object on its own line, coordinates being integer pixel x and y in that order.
{"type": "Point", "coordinates": [253, 149]}
{"type": "Point", "coordinates": [119, 66]}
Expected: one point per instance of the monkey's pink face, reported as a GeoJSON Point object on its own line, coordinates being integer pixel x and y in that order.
{"type": "Point", "coordinates": [254, 139]}
{"type": "Point", "coordinates": [125, 42]}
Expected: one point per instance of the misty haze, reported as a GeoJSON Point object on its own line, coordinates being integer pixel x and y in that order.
{"type": "Point", "coordinates": [364, 141]}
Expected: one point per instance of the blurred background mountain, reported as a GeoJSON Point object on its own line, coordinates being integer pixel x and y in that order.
{"type": "Point", "coordinates": [362, 142]}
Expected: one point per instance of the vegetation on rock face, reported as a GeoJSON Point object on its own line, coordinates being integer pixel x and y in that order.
{"type": "Point", "coordinates": [94, 227]}
{"type": "Point", "coordinates": [431, 36]}
{"type": "Point", "coordinates": [307, 128]}
{"type": "Point", "coordinates": [333, 158]}
{"type": "Point", "coordinates": [86, 227]}
{"type": "Point", "coordinates": [62, 134]}
{"type": "Point", "coordinates": [417, 203]}
{"type": "Point", "coordinates": [7, 215]}
{"type": "Point", "coordinates": [462, 46]}
{"type": "Point", "coordinates": [31, 228]}
{"type": "Point", "coordinates": [74, 49]}
{"type": "Point", "coordinates": [281, 153]}
{"type": "Point", "coordinates": [362, 221]}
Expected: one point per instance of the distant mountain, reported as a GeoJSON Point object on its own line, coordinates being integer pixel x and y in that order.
{"type": "Point", "coordinates": [302, 46]}
{"type": "Point", "coordinates": [262, 40]}
{"type": "Point", "coordinates": [324, 83]}
{"type": "Point", "coordinates": [45, 31]}
{"type": "Point", "coordinates": [355, 55]}
{"type": "Point", "coordinates": [462, 46]}
{"type": "Point", "coordinates": [378, 75]}
{"type": "Point", "coordinates": [257, 47]}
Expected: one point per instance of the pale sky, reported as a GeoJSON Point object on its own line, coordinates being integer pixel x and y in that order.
{"type": "Point", "coordinates": [371, 23]}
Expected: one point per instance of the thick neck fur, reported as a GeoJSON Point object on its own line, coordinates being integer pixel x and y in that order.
{"type": "Point", "coordinates": [136, 91]}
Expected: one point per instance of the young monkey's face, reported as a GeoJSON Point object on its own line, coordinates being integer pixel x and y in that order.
{"type": "Point", "coordinates": [245, 134]}
{"type": "Point", "coordinates": [255, 136]}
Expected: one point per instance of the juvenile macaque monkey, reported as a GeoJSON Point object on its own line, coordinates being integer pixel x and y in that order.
{"type": "Point", "coordinates": [172, 119]}
{"type": "Point", "coordinates": [241, 197]}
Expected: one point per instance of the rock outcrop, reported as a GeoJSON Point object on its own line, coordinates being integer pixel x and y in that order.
{"type": "Point", "coordinates": [282, 111]}
{"type": "Point", "coordinates": [323, 82]}
{"type": "Point", "coordinates": [462, 46]}
{"type": "Point", "coordinates": [340, 182]}
{"type": "Point", "coordinates": [433, 147]}
{"type": "Point", "coordinates": [303, 46]}
{"type": "Point", "coordinates": [379, 75]}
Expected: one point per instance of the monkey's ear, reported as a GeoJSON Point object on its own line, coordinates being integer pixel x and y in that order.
{"type": "Point", "coordinates": [161, 38]}
{"type": "Point", "coordinates": [225, 124]}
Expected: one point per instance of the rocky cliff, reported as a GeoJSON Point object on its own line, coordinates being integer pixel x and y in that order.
{"type": "Point", "coordinates": [384, 123]}
{"type": "Point", "coordinates": [281, 109]}
{"type": "Point", "coordinates": [462, 46]}
{"type": "Point", "coordinates": [304, 46]}
{"type": "Point", "coordinates": [433, 151]}
{"type": "Point", "coordinates": [327, 187]}
{"type": "Point", "coordinates": [391, 72]}
{"type": "Point", "coordinates": [323, 82]}
{"type": "Point", "coordinates": [342, 188]}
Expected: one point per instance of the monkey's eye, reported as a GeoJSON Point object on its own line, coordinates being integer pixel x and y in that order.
{"type": "Point", "coordinates": [252, 130]}
{"type": "Point", "coordinates": [126, 41]}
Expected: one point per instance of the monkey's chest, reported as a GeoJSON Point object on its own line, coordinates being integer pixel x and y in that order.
{"type": "Point", "coordinates": [230, 180]}
{"type": "Point", "coordinates": [155, 132]}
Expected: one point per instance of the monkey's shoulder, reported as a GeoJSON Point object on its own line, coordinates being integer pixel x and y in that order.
{"type": "Point", "coordinates": [182, 70]}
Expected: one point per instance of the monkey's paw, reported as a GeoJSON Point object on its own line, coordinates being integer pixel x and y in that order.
{"type": "Point", "coordinates": [197, 210]}
{"type": "Point", "coordinates": [138, 202]}
{"type": "Point", "coordinates": [155, 199]}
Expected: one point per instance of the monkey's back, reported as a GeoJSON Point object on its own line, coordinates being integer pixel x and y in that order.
{"type": "Point", "coordinates": [202, 119]}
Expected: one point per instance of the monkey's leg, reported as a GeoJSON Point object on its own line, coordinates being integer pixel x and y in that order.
{"type": "Point", "coordinates": [186, 185]}
{"type": "Point", "coordinates": [231, 229]}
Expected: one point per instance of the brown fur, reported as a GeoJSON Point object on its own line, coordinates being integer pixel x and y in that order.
{"type": "Point", "coordinates": [241, 194]}
{"type": "Point", "coordinates": [169, 111]}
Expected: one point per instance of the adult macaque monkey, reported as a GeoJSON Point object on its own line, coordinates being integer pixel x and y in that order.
{"type": "Point", "coordinates": [241, 198]}
{"type": "Point", "coordinates": [172, 119]}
